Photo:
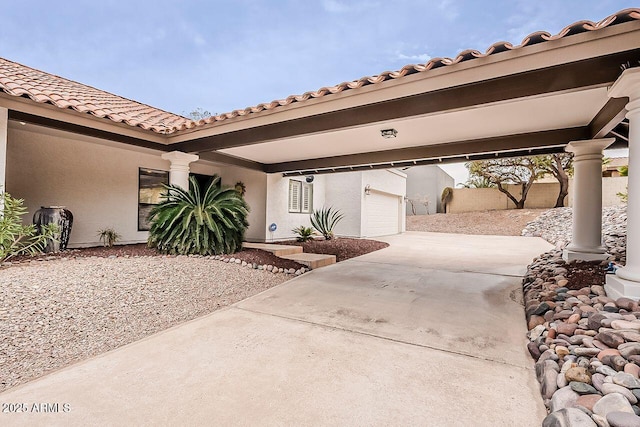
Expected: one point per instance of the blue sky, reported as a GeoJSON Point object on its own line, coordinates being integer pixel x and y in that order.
{"type": "Point", "coordinates": [224, 55]}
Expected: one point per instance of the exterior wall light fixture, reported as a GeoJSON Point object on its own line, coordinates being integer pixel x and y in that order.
{"type": "Point", "coordinates": [389, 133]}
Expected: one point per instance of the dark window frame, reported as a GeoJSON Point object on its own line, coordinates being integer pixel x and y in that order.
{"type": "Point", "coordinates": [140, 203]}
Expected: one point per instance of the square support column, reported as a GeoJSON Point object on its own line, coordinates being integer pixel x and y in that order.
{"type": "Point", "coordinates": [586, 240]}
{"type": "Point", "coordinates": [626, 281]}
{"type": "Point", "coordinates": [179, 169]}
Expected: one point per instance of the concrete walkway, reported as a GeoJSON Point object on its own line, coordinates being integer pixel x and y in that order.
{"type": "Point", "coordinates": [429, 331]}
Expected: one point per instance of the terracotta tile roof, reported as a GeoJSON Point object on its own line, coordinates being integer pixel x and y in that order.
{"type": "Point", "coordinates": [22, 81]}
{"type": "Point", "coordinates": [625, 15]}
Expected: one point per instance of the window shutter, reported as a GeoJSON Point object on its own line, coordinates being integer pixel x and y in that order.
{"type": "Point", "coordinates": [307, 198]}
{"type": "Point", "coordinates": [294, 195]}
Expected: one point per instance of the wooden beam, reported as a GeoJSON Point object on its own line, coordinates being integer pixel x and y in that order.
{"type": "Point", "coordinates": [214, 156]}
{"type": "Point", "coordinates": [608, 117]}
{"type": "Point", "coordinates": [571, 76]}
{"type": "Point", "coordinates": [402, 165]}
{"type": "Point", "coordinates": [85, 130]}
{"type": "Point", "coordinates": [525, 141]}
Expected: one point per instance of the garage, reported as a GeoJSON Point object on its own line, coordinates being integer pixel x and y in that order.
{"type": "Point", "coordinates": [382, 214]}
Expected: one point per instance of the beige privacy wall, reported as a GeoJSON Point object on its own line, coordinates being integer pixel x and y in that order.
{"type": "Point", "coordinates": [540, 196]}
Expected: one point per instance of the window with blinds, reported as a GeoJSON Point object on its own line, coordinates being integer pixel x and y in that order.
{"type": "Point", "coordinates": [300, 196]}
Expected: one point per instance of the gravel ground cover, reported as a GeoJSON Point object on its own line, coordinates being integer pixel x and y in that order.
{"type": "Point", "coordinates": [57, 309]}
{"type": "Point", "coordinates": [54, 313]}
{"type": "Point", "coordinates": [497, 223]}
{"type": "Point", "coordinates": [586, 345]}
{"type": "Point", "coordinates": [252, 256]}
{"type": "Point", "coordinates": [554, 226]}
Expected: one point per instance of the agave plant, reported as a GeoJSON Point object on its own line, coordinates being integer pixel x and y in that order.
{"type": "Point", "coordinates": [324, 220]}
{"type": "Point", "coordinates": [197, 222]}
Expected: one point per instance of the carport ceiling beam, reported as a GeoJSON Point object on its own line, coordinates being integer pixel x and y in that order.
{"type": "Point", "coordinates": [566, 77]}
{"type": "Point", "coordinates": [608, 117]}
{"type": "Point", "coordinates": [523, 141]}
{"type": "Point", "coordinates": [438, 161]}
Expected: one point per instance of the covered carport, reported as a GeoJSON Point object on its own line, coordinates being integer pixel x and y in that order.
{"type": "Point", "coordinates": [533, 98]}
{"type": "Point", "coordinates": [577, 90]}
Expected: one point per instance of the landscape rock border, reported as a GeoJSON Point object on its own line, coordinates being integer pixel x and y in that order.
{"type": "Point", "coordinates": [586, 345]}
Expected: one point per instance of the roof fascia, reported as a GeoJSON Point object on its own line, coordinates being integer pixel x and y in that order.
{"type": "Point", "coordinates": [85, 130]}
{"type": "Point", "coordinates": [83, 120]}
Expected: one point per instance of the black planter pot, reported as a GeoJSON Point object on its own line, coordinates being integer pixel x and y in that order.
{"type": "Point", "coordinates": [55, 215]}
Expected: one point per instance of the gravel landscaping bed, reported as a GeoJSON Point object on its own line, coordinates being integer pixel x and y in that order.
{"type": "Point", "coordinates": [554, 226]}
{"type": "Point", "coordinates": [498, 223]}
{"type": "Point", "coordinates": [342, 247]}
{"type": "Point", "coordinates": [585, 344]}
{"type": "Point", "coordinates": [57, 309]}
{"type": "Point", "coordinates": [252, 256]}
{"type": "Point", "coordinates": [58, 312]}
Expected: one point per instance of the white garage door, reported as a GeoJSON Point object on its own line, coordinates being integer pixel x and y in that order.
{"type": "Point", "coordinates": [382, 215]}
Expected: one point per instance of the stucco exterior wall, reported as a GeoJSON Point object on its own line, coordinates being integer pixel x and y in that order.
{"type": "Point", "coordinates": [426, 181]}
{"type": "Point", "coordinates": [345, 191]}
{"type": "Point", "coordinates": [97, 180]}
{"type": "Point", "coordinates": [256, 197]}
{"type": "Point", "coordinates": [278, 206]}
{"type": "Point", "coordinates": [541, 196]}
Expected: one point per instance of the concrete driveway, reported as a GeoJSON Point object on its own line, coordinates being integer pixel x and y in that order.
{"type": "Point", "coordinates": [429, 331]}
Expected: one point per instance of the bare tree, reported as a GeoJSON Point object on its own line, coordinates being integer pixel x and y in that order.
{"type": "Point", "coordinates": [522, 171]}
{"type": "Point", "coordinates": [560, 165]}
{"type": "Point", "coordinates": [418, 200]}
{"type": "Point", "coordinates": [412, 203]}
{"type": "Point", "coordinates": [199, 114]}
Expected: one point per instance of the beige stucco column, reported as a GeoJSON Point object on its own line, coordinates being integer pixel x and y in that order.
{"type": "Point", "coordinates": [586, 240]}
{"type": "Point", "coordinates": [179, 169]}
{"type": "Point", "coordinates": [626, 281]}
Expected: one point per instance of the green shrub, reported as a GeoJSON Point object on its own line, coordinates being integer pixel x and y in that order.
{"type": "Point", "coordinates": [324, 220]}
{"type": "Point", "coordinates": [624, 197]}
{"type": "Point", "coordinates": [108, 236]}
{"type": "Point", "coordinates": [18, 239]}
{"type": "Point", "coordinates": [304, 233]}
{"type": "Point", "coordinates": [197, 222]}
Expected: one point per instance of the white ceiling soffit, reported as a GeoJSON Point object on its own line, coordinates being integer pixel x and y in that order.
{"type": "Point", "coordinates": [526, 115]}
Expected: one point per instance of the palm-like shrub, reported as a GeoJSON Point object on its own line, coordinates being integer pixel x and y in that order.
{"type": "Point", "coordinates": [18, 239]}
{"type": "Point", "coordinates": [304, 233]}
{"type": "Point", "coordinates": [324, 220]}
{"type": "Point", "coordinates": [206, 222]}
